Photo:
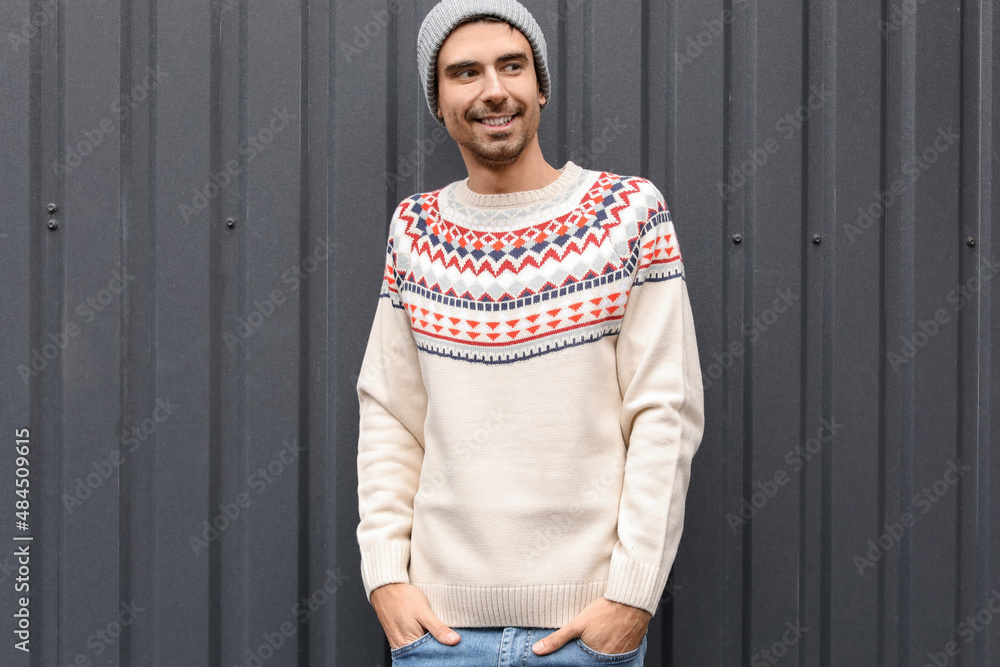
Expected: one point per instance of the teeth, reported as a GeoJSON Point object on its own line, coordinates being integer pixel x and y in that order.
{"type": "Point", "coordinates": [497, 121]}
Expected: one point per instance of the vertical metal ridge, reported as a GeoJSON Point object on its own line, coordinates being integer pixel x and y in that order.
{"type": "Point", "coordinates": [644, 90]}
{"type": "Point", "coordinates": [151, 174]}
{"type": "Point", "coordinates": [393, 195]}
{"type": "Point", "coordinates": [804, 347]}
{"type": "Point", "coordinates": [127, 411]}
{"type": "Point", "coordinates": [587, 124]}
{"type": "Point", "coordinates": [216, 303]}
{"type": "Point", "coordinates": [54, 260]}
{"type": "Point", "coordinates": [561, 84]}
{"type": "Point", "coordinates": [303, 573]}
{"type": "Point", "coordinates": [238, 386]}
{"type": "Point", "coordinates": [907, 304]}
{"type": "Point", "coordinates": [960, 357]}
{"type": "Point", "coordinates": [748, 210]}
{"type": "Point", "coordinates": [984, 222]}
{"type": "Point", "coordinates": [805, 350]}
{"type": "Point", "coordinates": [882, 501]}
{"type": "Point", "coordinates": [829, 282]}
{"type": "Point", "coordinates": [728, 627]}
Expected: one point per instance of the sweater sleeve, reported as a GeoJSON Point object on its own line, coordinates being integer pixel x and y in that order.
{"type": "Point", "coordinates": [662, 415]}
{"type": "Point", "coordinates": [392, 405]}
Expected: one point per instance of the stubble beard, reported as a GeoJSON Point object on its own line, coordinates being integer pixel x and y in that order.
{"type": "Point", "coordinates": [501, 150]}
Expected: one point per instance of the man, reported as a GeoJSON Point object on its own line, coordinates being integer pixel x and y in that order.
{"type": "Point", "coordinates": [530, 396]}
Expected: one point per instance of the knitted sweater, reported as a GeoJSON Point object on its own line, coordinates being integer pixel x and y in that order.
{"type": "Point", "coordinates": [530, 401]}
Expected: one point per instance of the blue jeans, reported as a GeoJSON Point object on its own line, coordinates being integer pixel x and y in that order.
{"type": "Point", "coordinates": [507, 647]}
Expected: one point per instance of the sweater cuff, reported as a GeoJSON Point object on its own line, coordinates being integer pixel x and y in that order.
{"type": "Point", "coordinates": [633, 583]}
{"type": "Point", "coordinates": [386, 563]}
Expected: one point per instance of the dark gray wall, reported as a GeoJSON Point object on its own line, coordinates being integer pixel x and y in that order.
{"type": "Point", "coordinates": [778, 121]}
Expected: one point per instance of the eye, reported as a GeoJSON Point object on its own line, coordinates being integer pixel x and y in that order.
{"type": "Point", "coordinates": [516, 66]}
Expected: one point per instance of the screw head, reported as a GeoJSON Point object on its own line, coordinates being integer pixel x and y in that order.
{"type": "Point", "coordinates": [971, 242]}
{"type": "Point", "coordinates": [51, 208]}
{"type": "Point", "coordinates": [737, 238]}
{"type": "Point", "coordinates": [230, 223]}
{"type": "Point", "coordinates": [53, 224]}
{"type": "Point", "coordinates": [817, 239]}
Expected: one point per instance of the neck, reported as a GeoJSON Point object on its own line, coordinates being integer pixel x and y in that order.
{"type": "Point", "coordinates": [529, 172]}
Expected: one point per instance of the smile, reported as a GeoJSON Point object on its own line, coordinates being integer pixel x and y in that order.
{"type": "Point", "coordinates": [499, 123]}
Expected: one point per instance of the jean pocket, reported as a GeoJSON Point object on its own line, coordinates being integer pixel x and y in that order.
{"type": "Point", "coordinates": [611, 658]}
{"type": "Point", "coordinates": [406, 648]}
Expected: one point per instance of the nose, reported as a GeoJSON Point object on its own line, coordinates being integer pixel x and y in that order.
{"type": "Point", "coordinates": [493, 88]}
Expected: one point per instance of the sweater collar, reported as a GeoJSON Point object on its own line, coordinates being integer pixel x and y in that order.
{"type": "Point", "coordinates": [570, 173]}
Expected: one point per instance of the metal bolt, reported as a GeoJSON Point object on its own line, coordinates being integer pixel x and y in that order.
{"type": "Point", "coordinates": [53, 224]}
{"type": "Point", "coordinates": [230, 223]}
{"type": "Point", "coordinates": [971, 242]}
{"type": "Point", "coordinates": [816, 239]}
{"type": "Point", "coordinates": [51, 208]}
{"type": "Point", "coordinates": [737, 238]}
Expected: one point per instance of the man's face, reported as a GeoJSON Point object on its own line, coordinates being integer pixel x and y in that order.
{"type": "Point", "coordinates": [488, 94]}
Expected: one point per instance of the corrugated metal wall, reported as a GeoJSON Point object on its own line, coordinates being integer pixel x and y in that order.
{"type": "Point", "coordinates": [189, 383]}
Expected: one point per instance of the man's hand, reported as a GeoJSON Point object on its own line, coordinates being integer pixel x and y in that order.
{"type": "Point", "coordinates": [603, 625]}
{"type": "Point", "coordinates": [404, 613]}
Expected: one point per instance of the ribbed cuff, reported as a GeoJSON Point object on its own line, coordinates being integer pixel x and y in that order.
{"type": "Point", "coordinates": [633, 583]}
{"type": "Point", "coordinates": [385, 564]}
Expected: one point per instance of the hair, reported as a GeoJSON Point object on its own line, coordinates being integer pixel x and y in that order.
{"type": "Point", "coordinates": [490, 18]}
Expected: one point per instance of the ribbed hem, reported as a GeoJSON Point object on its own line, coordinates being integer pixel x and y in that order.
{"type": "Point", "coordinates": [539, 606]}
{"type": "Point", "coordinates": [634, 583]}
{"type": "Point", "coordinates": [385, 564]}
{"type": "Point", "coordinates": [570, 173]}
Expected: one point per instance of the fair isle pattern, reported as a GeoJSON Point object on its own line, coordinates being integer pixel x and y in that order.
{"type": "Point", "coordinates": [503, 295]}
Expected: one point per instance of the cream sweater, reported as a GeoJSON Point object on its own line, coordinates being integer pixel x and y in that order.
{"type": "Point", "coordinates": [530, 401]}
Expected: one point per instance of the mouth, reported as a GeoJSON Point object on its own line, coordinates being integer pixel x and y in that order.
{"type": "Point", "coordinates": [498, 123]}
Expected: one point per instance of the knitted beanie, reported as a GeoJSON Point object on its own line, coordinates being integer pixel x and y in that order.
{"type": "Point", "coordinates": [447, 14]}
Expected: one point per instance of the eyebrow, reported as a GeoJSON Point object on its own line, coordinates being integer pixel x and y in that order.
{"type": "Point", "coordinates": [507, 57]}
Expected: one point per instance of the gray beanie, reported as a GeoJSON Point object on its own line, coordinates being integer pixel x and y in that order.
{"type": "Point", "coordinates": [447, 14]}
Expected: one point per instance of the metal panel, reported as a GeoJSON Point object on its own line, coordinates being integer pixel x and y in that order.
{"type": "Point", "coordinates": [189, 383]}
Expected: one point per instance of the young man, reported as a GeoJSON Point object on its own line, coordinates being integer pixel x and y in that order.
{"type": "Point", "coordinates": [530, 395]}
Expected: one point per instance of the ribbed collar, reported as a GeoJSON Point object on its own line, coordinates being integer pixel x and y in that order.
{"type": "Point", "coordinates": [570, 173]}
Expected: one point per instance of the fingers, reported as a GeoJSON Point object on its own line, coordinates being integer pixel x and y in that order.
{"type": "Point", "coordinates": [554, 641]}
{"type": "Point", "coordinates": [404, 612]}
{"type": "Point", "coordinates": [440, 631]}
